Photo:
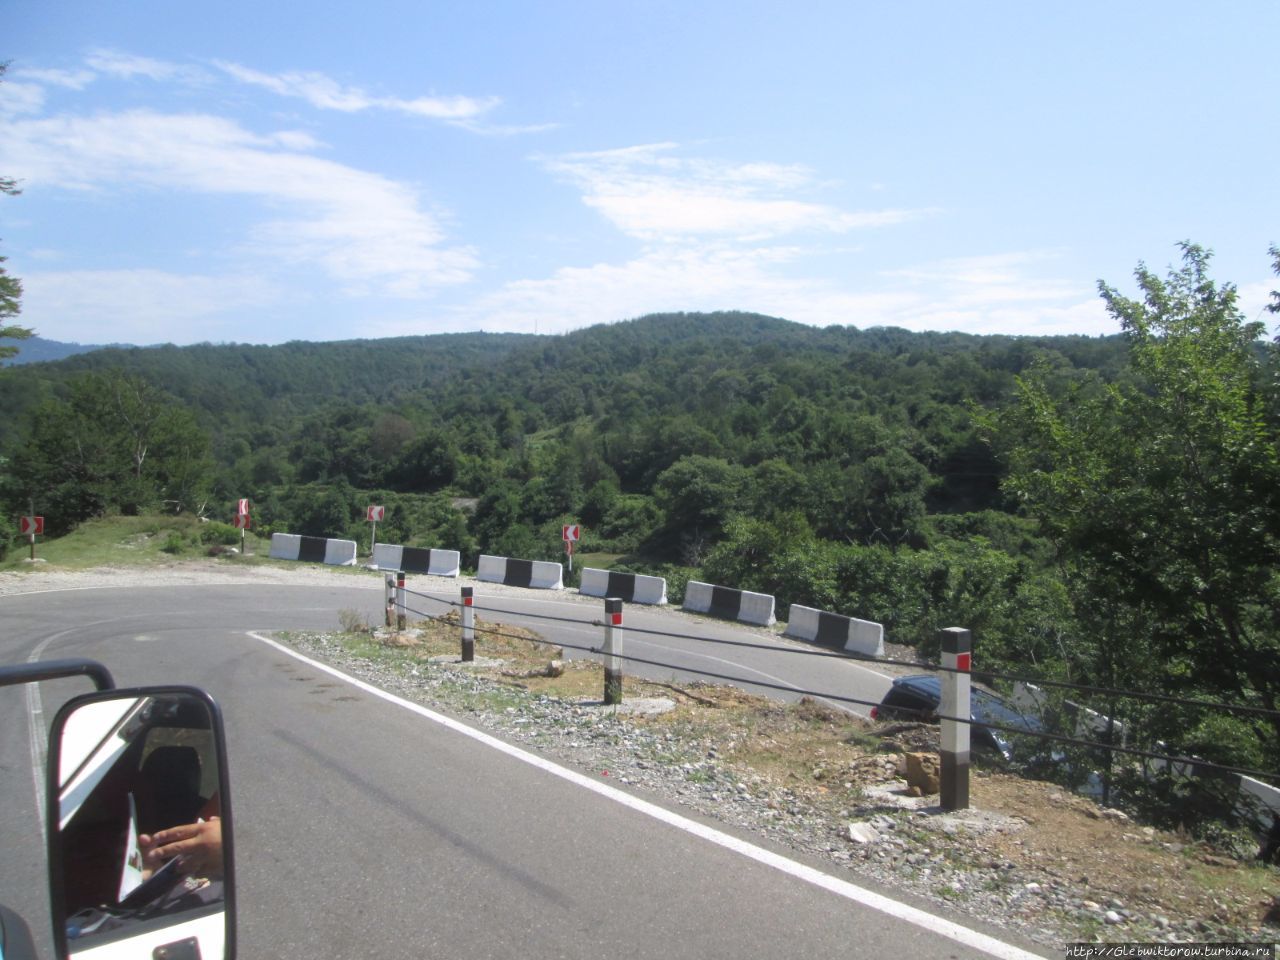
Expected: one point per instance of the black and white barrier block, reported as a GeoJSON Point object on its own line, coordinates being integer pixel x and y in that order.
{"type": "Point", "coordinates": [729, 604]}
{"type": "Point", "coordinates": [957, 655]}
{"type": "Point", "coordinates": [629, 587]}
{"type": "Point", "coordinates": [436, 563]}
{"type": "Point", "coordinates": [832, 629]}
{"type": "Point", "coordinates": [291, 546]}
{"type": "Point", "coordinates": [538, 574]}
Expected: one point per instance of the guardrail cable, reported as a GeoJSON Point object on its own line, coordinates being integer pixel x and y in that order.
{"type": "Point", "coordinates": [843, 699]}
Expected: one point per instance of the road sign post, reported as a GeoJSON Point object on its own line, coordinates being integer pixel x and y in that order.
{"type": "Point", "coordinates": [30, 526]}
{"type": "Point", "coordinates": [373, 514]}
{"type": "Point", "coordinates": [570, 533]}
{"type": "Point", "coordinates": [242, 523]}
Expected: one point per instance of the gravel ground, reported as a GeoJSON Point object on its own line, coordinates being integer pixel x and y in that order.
{"type": "Point", "coordinates": [962, 860]}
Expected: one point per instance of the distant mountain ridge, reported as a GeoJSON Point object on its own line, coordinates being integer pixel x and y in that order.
{"type": "Point", "coordinates": [40, 350]}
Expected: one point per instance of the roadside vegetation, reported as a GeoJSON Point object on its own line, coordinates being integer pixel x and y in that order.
{"type": "Point", "coordinates": [130, 541]}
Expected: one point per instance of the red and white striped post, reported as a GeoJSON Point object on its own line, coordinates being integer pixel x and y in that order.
{"type": "Point", "coordinates": [957, 656]}
{"type": "Point", "coordinates": [402, 605]}
{"type": "Point", "coordinates": [612, 651]}
{"type": "Point", "coordinates": [468, 625]}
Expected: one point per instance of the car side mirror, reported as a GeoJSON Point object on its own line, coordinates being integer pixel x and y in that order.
{"type": "Point", "coordinates": [139, 827]}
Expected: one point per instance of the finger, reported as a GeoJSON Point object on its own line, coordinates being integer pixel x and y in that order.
{"type": "Point", "coordinates": [174, 834]}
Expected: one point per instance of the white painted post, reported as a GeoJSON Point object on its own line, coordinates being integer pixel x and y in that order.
{"type": "Point", "coordinates": [613, 651]}
{"type": "Point", "coordinates": [957, 654]}
{"type": "Point", "coordinates": [468, 625]}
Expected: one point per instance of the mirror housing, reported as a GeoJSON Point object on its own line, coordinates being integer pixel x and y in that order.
{"type": "Point", "coordinates": [139, 827]}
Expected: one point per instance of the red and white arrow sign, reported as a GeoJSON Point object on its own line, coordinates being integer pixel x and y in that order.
{"type": "Point", "coordinates": [31, 525]}
{"type": "Point", "coordinates": [571, 533]}
{"type": "Point", "coordinates": [243, 509]}
{"type": "Point", "coordinates": [374, 514]}
{"type": "Point", "coordinates": [241, 521]}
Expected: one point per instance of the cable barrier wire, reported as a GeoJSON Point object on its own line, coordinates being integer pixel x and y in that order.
{"type": "Point", "coordinates": [926, 716]}
{"type": "Point", "coordinates": [844, 699]}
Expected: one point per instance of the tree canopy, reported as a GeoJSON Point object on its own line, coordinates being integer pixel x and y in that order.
{"type": "Point", "coordinates": [10, 287]}
{"type": "Point", "coordinates": [1160, 493]}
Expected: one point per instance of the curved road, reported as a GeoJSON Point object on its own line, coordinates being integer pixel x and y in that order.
{"type": "Point", "coordinates": [664, 644]}
{"type": "Point", "coordinates": [366, 828]}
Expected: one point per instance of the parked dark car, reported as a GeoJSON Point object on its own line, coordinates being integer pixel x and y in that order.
{"type": "Point", "coordinates": [918, 697]}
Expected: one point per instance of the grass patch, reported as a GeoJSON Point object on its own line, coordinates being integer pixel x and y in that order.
{"type": "Point", "coordinates": [129, 541]}
{"type": "Point", "coordinates": [597, 561]}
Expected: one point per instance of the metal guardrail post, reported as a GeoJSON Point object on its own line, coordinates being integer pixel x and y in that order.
{"type": "Point", "coordinates": [402, 603]}
{"type": "Point", "coordinates": [957, 654]}
{"type": "Point", "coordinates": [612, 651]}
{"type": "Point", "coordinates": [468, 625]}
{"type": "Point", "coordinates": [389, 598]}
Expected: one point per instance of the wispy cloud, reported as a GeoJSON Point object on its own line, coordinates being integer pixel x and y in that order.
{"type": "Point", "coordinates": [324, 93]}
{"type": "Point", "coordinates": [652, 194]}
{"type": "Point", "coordinates": [67, 79]}
{"type": "Point", "coordinates": [18, 99]}
{"type": "Point", "coordinates": [727, 278]}
{"type": "Point", "coordinates": [992, 279]}
{"type": "Point", "coordinates": [114, 63]}
{"type": "Point", "coordinates": [139, 306]}
{"type": "Point", "coordinates": [367, 231]}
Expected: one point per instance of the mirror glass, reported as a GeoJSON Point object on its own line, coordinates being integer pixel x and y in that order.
{"type": "Point", "coordinates": [137, 853]}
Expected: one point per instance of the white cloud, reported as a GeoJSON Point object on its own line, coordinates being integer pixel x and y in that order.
{"type": "Point", "coordinates": [723, 278]}
{"type": "Point", "coordinates": [324, 93]}
{"type": "Point", "coordinates": [652, 195]}
{"type": "Point", "coordinates": [113, 63]}
{"type": "Point", "coordinates": [67, 79]}
{"type": "Point", "coordinates": [367, 231]}
{"type": "Point", "coordinates": [1254, 298]}
{"type": "Point", "coordinates": [136, 306]}
{"type": "Point", "coordinates": [20, 99]}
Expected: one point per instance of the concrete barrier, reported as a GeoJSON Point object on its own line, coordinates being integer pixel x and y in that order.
{"type": "Point", "coordinates": [1260, 802]}
{"type": "Point", "coordinates": [729, 604]}
{"type": "Point", "coordinates": [848, 633]}
{"type": "Point", "coordinates": [436, 563]}
{"type": "Point", "coordinates": [631, 587]}
{"type": "Point", "coordinates": [537, 574]}
{"type": "Point", "coordinates": [291, 546]}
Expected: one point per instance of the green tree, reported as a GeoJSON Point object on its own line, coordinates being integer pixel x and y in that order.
{"type": "Point", "coordinates": [1274, 305]}
{"type": "Point", "coordinates": [10, 287]}
{"type": "Point", "coordinates": [115, 443]}
{"type": "Point", "coordinates": [698, 494]}
{"type": "Point", "coordinates": [1161, 494]}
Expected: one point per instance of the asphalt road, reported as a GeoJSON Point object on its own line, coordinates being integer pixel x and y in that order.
{"type": "Point", "coordinates": [365, 828]}
{"type": "Point", "coordinates": [664, 644]}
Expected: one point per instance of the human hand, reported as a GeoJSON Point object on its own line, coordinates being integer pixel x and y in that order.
{"type": "Point", "coordinates": [198, 847]}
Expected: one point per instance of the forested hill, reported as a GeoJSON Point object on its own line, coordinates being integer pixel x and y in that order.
{"type": "Point", "coordinates": [669, 363]}
{"type": "Point", "coordinates": [226, 383]}
{"type": "Point", "coordinates": [740, 385]}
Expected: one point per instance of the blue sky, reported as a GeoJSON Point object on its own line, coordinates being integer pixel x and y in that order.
{"type": "Point", "coordinates": [262, 172]}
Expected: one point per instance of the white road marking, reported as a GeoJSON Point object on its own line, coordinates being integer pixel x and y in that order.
{"type": "Point", "coordinates": [842, 888]}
